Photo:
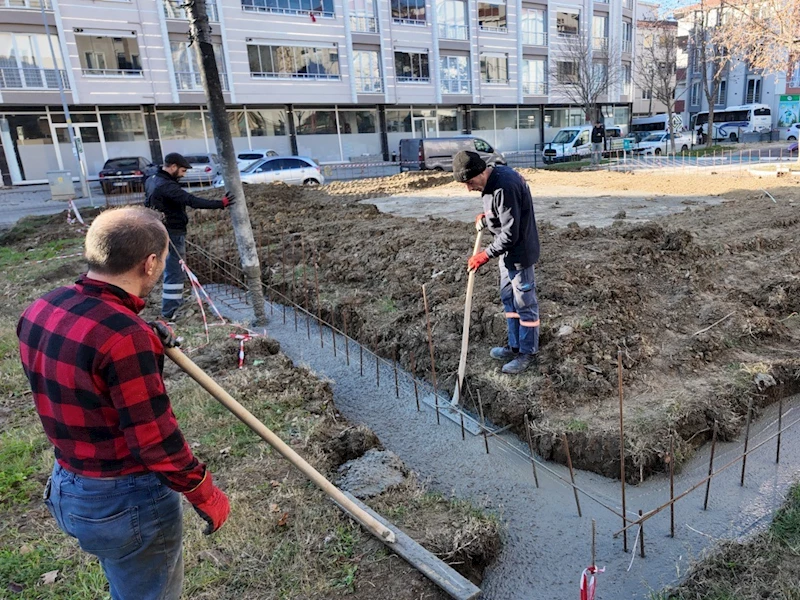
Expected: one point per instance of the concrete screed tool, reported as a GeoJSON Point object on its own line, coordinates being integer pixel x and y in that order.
{"type": "Point", "coordinates": [428, 564]}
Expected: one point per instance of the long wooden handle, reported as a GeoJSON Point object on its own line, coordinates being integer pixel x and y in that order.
{"type": "Point", "coordinates": [246, 417]}
{"type": "Point", "coordinates": [462, 363]}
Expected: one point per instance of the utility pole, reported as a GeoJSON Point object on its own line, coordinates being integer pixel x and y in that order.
{"type": "Point", "coordinates": [201, 38]}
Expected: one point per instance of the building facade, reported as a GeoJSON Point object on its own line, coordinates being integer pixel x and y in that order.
{"type": "Point", "coordinates": [336, 80]}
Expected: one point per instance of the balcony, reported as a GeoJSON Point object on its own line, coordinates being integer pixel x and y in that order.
{"type": "Point", "coordinates": [413, 79]}
{"type": "Point", "coordinates": [534, 88]}
{"type": "Point", "coordinates": [31, 4]}
{"type": "Point", "coordinates": [173, 9]}
{"type": "Point", "coordinates": [449, 31]}
{"type": "Point", "coordinates": [534, 38]}
{"type": "Point", "coordinates": [363, 22]}
{"type": "Point", "coordinates": [32, 78]}
{"type": "Point", "coordinates": [627, 46]}
{"type": "Point", "coordinates": [492, 29]}
{"type": "Point", "coordinates": [282, 75]}
{"type": "Point", "coordinates": [600, 44]}
{"type": "Point", "coordinates": [369, 85]}
{"type": "Point", "coordinates": [125, 73]}
{"type": "Point", "coordinates": [456, 86]}
{"type": "Point", "coordinates": [260, 6]}
{"type": "Point", "coordinates": [189, 81]}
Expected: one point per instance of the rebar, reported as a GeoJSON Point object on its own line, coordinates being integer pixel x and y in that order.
{"type": "Point", "coordinates": [294, 286]}
{"type": "Point", "coordinates": [377, 362]}
{"type": "Point", "coordinates": [641, 535]}
{"type": "Point", "coordinates": [269, 287]}
{"type": "Point", "coordinates": [396, 382]}
{"type": "Point", "coordinates": [361, 359]}
{"type": "Point", "coordinates": [746, 439]}
{"type": "Point", "coordinates": [430, 346]}
{"type": "Point", "coordinates": [305, 289]}
{"type": "Point", "coordinates": [283, 275]}
{"type": "Point", "coordinates": [333, 330]}
{"type": "Point", "coordinates": [672, 485]}
{"type": "Point", "coordinates": [530, 448]}
{"type": "Point", "coordinates": [594, 536]}
{"type": "Point", "coordinates": [571, 472]}
{"type": "Point", "coordinates": [319, 303]}
{"type": "Point", "coordinates": [622, 453]}
{"type": "Point", "coordinates": [346, 340]}
{"type": "Point", "coordinates": [710, 465]}
{"type": "Point", "coordinates": [483, 421]}
{"type": "Point", "coordinates": [780, 419]}
{"type": "Point", "coordinates": [414, 380]}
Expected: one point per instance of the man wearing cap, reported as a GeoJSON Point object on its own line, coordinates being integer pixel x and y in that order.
{"type": "Point", "coordinates": [508, 215]}
{"type": "Point", "coordinates": [164, 193]}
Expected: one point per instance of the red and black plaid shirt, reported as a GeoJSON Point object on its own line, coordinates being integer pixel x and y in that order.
{"type": "Point", "coordinates": [95, 370]}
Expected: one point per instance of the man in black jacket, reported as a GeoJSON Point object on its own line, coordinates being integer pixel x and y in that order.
{"type": "Point", "coordinates": [164, 193]}
{"type": "Point", "coordinates": [598, 142]}
{"type": "Point", "coordinates": [508, 214]}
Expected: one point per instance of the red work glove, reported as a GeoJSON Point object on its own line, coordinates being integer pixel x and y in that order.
{"type": "Point", "coordinates": [476, 261]}
{"type": "Point", "coordinates": [210, 502]}
{"type": "Point", "coordinates": [480, 222]}
{"type": "Point", "coordinates": [228, 200]}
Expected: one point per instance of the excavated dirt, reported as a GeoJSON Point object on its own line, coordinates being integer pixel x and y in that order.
{"type": "Point", "coordinates": [702, 305]}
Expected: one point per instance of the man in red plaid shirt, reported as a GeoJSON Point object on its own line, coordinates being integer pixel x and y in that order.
{"type": "Point", "coordinates": [95, 370]}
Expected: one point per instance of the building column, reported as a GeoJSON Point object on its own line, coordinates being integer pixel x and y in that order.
{"type": "Point", "coordinates": [383, 132]}
{"type": "Point", "coordinates": [151, 130]}
{"type": "Point", "coordinates": [467, 123]}
{"type": "Point", "coordinates": [5, 140]}
{"type": "Point", "coordinates": [292, 129]}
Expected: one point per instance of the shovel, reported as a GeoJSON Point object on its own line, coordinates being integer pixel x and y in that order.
{"type": "Point", "coordinates": [462, 363]}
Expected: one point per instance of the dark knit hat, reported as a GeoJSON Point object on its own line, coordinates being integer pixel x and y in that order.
{"type": "Point", "coordinates": [467, 165]}
{"type": "Point", "coordinates": [173, 158]}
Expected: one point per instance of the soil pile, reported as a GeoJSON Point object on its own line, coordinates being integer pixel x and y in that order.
{"type": "Point", "coordinates": [700, 304]}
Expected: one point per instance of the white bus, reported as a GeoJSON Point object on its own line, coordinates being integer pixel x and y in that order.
{"type": "Point", "coordinates": [641, 127]}
{"type": "Point", "coordinates": [731, 122]}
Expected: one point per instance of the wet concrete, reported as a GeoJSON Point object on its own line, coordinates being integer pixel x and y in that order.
{"type": "Point", "coordinates": [546, 545]}
{"type": "Point", "coordinates": [559, 205]}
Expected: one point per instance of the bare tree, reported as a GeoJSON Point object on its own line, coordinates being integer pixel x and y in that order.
{"type": "Point", "coordinates": [657, 67]}
{"type": "Point", "coordinates": [584, 74]}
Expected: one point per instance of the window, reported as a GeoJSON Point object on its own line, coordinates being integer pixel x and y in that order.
{"type": "Point", "coordinates": [568, 23]}
{"type": "Point", "coordinates": [266, 123]}
{"type": "Point", "coordinates": [181, 125]}
{"type": "Point", "coordinates": [448, 119]}
{"type": "Point", "coordinates": [398, 121]}
{"type": "Point", "coordinates": [494, 68]}
{"type": "Point", "coordinates": [320, 8]}
{"type": "Point", "coordinates": [26, 62]}
{"type": "Point", "coordinates": [454, 75]}
{"type": "Point", "coordinates": [599, 73]}
{"type": "Point", "coordinates": [411, 67]}
{"type": "Point", "coordinates": [627, 76]}
{"type": "Point", "coordinates": [647, 94]}
{"type": "Point", "coordinates": [174, 9]}
{"type": "Point", "coordinates": [694, 97]}
{"type": "Point", "coordinates": [627, 36]}
{"type": "Point", "coordinates": [600, 32]}
{"type": "Point", "coordinates": [123, 127]}
{"type": "Point", "coordinates": [722, 93]}
{"type": "Point", "coordinates": [534, 31]}
{"type": "Point", "coordinates": [408, 12]}
{"type": "Point", "coordinates": [187, 68]}
{"type": "Point", "coordinates": [367, 72]}
{"type": "Point", "coordinates": [566, 71]}
{"type": "Point", "coordinates": [492, 16]}
{"type": "Point", "coordinates": [753, 94]}
{"type": "Point", "coordinates": [315, 122]}
{"type": "Point", "coordinates": [109, 56]}
{"type": "Point", "coordinates": [533, 77]}
{"type": "Point", "coordinates": [357, 121]}
{"type": "Point", "coordinates": [294, 62]}
{"type": "Point", "coordinates": [363, 16]}
{"type": "Point", "coordinates": [451, 16]}
{"type": "Point", "coordinates": [482, 146]}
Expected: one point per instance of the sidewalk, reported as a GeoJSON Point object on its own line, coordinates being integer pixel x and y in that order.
{"type": "Point", "coordinates": [22, 201]}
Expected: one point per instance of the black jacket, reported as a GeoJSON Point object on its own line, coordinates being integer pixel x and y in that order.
{"type": "Point", "coordinates": [508, 206]}
{"type": "Point", "coordinates": [164, 193]}
{"type": "Point", "coordinates": [598, 134]}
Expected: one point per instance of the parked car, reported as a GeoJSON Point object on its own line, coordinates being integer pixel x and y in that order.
{"type": "Point", "coordinates": [419, 154]}
{"type": "Point", "coordinates": [570, 143]}
{"type": "Point", "coordinates": [126, 173]}
{"type": "Point", "coordinates": [247, 158]}
{"type": "Point", "coordinates": [659, 143]}
{"type": "Point", "coordinates": [294, 170]}
{"type": "Point", "coordinates": [791, 133]}
{"type": "Point", "coordinates": [205, 168]}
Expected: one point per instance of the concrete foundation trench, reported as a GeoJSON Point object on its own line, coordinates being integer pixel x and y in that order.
{"type": "Point", "coordinates": [546, 545]}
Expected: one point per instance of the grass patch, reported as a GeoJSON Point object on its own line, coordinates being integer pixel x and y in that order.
{"type": "Point", "coordinates": [79, 576]}
{"type": "Point", "coordinates": [10, 256]}
{"type": "Point", "coordinates": [20, 452]}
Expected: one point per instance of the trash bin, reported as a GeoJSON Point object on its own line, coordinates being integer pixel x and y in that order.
{"type": "Point", "coordinates": [61, 187]}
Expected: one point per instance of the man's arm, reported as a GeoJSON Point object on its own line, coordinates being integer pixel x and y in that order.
{"type": "Point", "coordinates": [177, 194]}
{"type": "Point", "coordinates": [506, 205]}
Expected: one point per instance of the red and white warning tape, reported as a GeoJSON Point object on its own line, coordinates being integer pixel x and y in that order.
{"type": "Point", "coordinates": [588, 583]}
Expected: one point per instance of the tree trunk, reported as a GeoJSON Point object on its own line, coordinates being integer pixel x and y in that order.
{"type": "Point", "coordinates": [201, 34]}
{"type": "Point", "coordinates": [670, 128]}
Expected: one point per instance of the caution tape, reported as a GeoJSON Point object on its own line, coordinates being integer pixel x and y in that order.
{"type": "Point", "coordinates": [588, 582]}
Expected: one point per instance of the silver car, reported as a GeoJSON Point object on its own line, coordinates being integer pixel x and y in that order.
{"type": "Point", "coordinates": [294, 170]}
{"type": "Point", "coordinates": [205, 168]}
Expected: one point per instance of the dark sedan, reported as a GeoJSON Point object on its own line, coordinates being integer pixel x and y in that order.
{"type": "Point", "coordinates": [125, 174]}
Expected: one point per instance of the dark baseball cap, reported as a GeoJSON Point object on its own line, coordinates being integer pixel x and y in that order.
{"type": "Point", "coordinates": [173, 158]}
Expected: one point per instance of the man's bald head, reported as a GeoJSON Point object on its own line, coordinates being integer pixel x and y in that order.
{"type": "Point", "coordinates": [120, 239]}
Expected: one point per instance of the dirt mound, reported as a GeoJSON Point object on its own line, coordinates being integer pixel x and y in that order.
{"type": "Point", "coordinates": [695, 302]}
{"type": "Point", "coordinates": [395, 184]}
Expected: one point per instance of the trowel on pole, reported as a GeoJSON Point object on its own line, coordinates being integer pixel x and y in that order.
{"type": "Point", "coordinates": [462, 363]}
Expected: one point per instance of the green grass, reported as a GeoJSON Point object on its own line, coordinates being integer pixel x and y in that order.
{"type": "Point", "coordinates": [10, 257]}
{"type": "Point", "coordinates": [20, 453]}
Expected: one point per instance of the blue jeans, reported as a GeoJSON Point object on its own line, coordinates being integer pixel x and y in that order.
{"type": "Point", "coordinates": [133, 524]}
{"type": "Point", "coordinates": [518, 293]}
{"type": "Point", "coordinates": [172, 296]}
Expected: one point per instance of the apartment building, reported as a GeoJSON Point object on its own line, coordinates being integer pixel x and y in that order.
{"type": "Point", "coordinates": [336, 80]}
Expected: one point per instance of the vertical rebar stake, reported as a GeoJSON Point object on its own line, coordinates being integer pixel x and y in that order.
{"type": "Point", "coordinates": [430, 346]}
{"type": "Point", "coordinates": [396, 382]}
{"type": "Point", "coordinates": [377, 362]}
{"type": "Point", "coordinates": [530, 448]}
{"type": "Point", "coordinates": [333, 329]}
{"type": "Point", "coordinates": [483, 421]}
{"type": "Point", "coordinates": [294, 287]}
{"type": "Point", "coordinates": [413, 360]}
{"type": "Point", "coordinates": [780, 421]}
{"type": "Point", "coordinates": [463, 431]}
{"type": "Point", "coordinates": [361, 358]}
{"type": "Point", "coordinates": [305, 289]}
{"type": "Point", "coordinates": [283, 277]}
{"type": "Point", "coordinates": [571, 472]}
{"type": "Point", "coordinates": [346, 341]}
{"type": "Point", "coordinates": [622, 453]}
{"type": "Point", "coordinates": [269, 287]}
{"type": "Point", "coordinates": [672, 485]}
{"type": "Point", "coordinates": [711, 464]}
{"type": "Point", "coordinates": [594, 546]}
{"type": "Point", "coordinates": [746, 439]}
{"type": "Point", "coordinates": [319, 304]}
{"type": "Point", "coordinates": [641, 534]}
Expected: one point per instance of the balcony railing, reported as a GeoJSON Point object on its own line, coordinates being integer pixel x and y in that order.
{"type": "Point", "coordinates": [189, 81]}
{"type": "Point", "coordinates": [493, 29]}
{"type": "Point", "coordinates": [456, 86]}
{"type": "Point", "coordinates": [413, 79]}
{"type": "Point", "coordinates": [32, 4]}
{"type": "Point", "coordinates": [627, 46]}
{"type": "Point", "coordinates": [412, 22]}
{"type": "Point", "coordinates": [600, 44]}
{"type": "Point", "coordinates": [534, 88]}
{"type": "Point", "coordinates": [173, 9]}
{"type": "Point", "coordinates": [448, 31]}
{"type": "Point", "coordinates": [495, 80]}
{"type": "Point", "coordinates": [532, 38]}
{"type": "Point", "coordinates": [258, 6]}
{"type": "Point", "coordinates": [113, 72]}
{"type": "Point", "coordinates": [363, 22]}
{"type": "Point", "coordinates": [32, 78]}
{"type": "Point", "coordinates": [369, 85]}
{"type": "Point", "coordinates": [277, 75]}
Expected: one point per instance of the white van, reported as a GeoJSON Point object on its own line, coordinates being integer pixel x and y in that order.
{"type": "Point", "coordinates": [570, 143]}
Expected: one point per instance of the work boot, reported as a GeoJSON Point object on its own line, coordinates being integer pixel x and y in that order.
{"type": "Point", "coordinates": [520, 364]}
{"type": "Point", "coordinates": [504, 353]}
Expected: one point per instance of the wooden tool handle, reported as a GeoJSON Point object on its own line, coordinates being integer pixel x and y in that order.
{"type": "Point", "coordinates": [462, 363]}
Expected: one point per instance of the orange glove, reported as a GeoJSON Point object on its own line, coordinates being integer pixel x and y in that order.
{"type": "Point", "coordinates": [210, 502]}
{"type": "Point", "coordinates": [480, 222]}
{"type": "Point", "coordinates": [475, 262]}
